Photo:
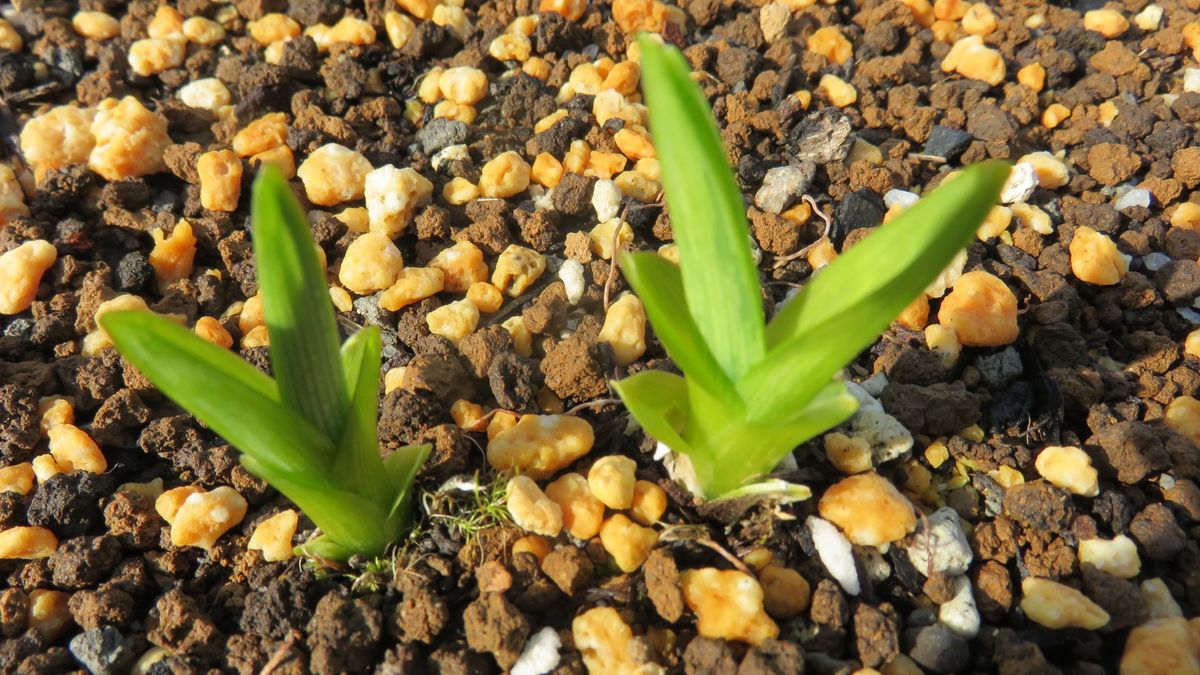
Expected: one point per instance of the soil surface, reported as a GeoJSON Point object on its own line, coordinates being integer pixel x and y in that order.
{"type": "Point", "coordinates": [1093, 367]}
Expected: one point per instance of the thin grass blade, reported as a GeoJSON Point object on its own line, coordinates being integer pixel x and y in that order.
{"type": "Point", "coordinates": [358, 465]}
{"type": "Point", "coordinates": [707, 212]}
{"type": "Point", "coordinates": [299, 313]}
{"type": "Point", "coordinates": [229, 395]}
{"type": "Point", "coordinates": [657, 282]}
{"type": "Point", "coordinates": [889, 268]}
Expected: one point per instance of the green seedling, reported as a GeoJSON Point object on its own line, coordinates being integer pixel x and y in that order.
{"type": "Point", "coordinates": [311, 430]}
{"type": "Point", "coordinates": [754, 390]}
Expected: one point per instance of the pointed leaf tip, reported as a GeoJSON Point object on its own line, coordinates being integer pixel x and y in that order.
{"type": "Point", "coordinates": [708, 212]}
{"type": "Point", "coordinates": [296, 305]}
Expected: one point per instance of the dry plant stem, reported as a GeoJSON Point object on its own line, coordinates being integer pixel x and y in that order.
{"type": "Point", "coordinates": [616, 249]}
{"type": "Point", "coordinates": [720, 550]}
{"type": "Point", "coordinates": [780, 262]}
{"type": "Point", "coordinates": [699, 534]}
{"type": "Point", "coordinates": [928, 541]}
{"type": "Point", "coordinates": [936, 159]}
{"type": "Point", "coordinates": [593, 404]}
{"type": "Point", "coordinates": [281, 654]}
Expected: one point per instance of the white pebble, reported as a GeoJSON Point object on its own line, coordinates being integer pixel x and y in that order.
{"type": "Point", "coordinates": [1117, 556]}
{"type": "Point", "coordinates": [1159, 600]}
{"type": "Point", "coordinates": [540, 655]}
{"type": "Point", "coordinates": [1148, 18]}
{"type": "Point", "coordinates": [874, 564]}
{"type": "Point", "coordinates": [946, 279]}
{"type": "Point", "coordinates": [788, 463]}
{"type": "Point", "coordinates": [678, 467]}
{"type": "Point", "coordinates": [783, 186]}
{"type": "Point", "coordinates": [606, 199]}
{"type": "Point", "coordinates": [449, 153]}
{"type": "Point", "coordinates": [1154, 261]}
{"type": "Point", "coordinates": [947, 544]}
{"type": "Point", "coordinates": [866, 401]}
{"type": "Point", "coordinates": [901, 198]}
{"type": "Point", "coordinates": [571, 274]}
{"type": "Point", "coordinates": [208, 94]}
{"type": "Point", "coordinates": [1022, 181]}
{"type": "Point", "coordinates": [960, 613]}
{"type": "Point", "coordinates": [1191, 79]}
{"type": "Point", "coordinates": [875, 384]}
{"type": "Point", "coordinates": [543, 199]}
{"type": "Point", "coordinates": [888, 438]}
{"type": "Point", "coordinates": [773, 20]}
{"type": "Point", "coordinates": [835, 552]}
{"type": "Point", "coordinates": [1134, 197]}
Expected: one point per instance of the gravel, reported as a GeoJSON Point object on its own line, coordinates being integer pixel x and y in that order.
{"type": "Point", "coordinates": [946, 142]}
{"type": "Point", "coordinates": [104, 651]}
{"type": "Point", "coordinates": [784, 185]}
{"type": "Point", "coordinates": [960, 614]}
{"type": "Point", "coordinates": [440, 133]}
{"type": "Point", "coordinates": [944, 543]}
{"type": "Point", "coordinates": [937, 648]}
{"type": "Point", "coordinates": [540, 654]}
{"type": "Point", "coordinates": [835, 552]}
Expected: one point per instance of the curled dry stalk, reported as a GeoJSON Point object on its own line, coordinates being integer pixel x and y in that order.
{"type": "Point", "coordinates": [598, 403]}
{"type": "Point", "coordinates": [281, 652]}
{"type": "Point", "coordinates": [699, 534]}
{"type": "Point", "coordinates": [614, 261]}
{"type": "Point", "coordinates": [783, 260]}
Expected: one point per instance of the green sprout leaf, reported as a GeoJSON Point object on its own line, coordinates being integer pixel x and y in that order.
{"type": "Point", "coordinates": [402, 466]}
{"type": "Point", "coordinates": [296, 304]}
{"type": "Point", "coordinates": [358, 454]}
{"type": "Point", "coordinates": [224, 392]}
{"type": "Point", "coordinates": [719, 276]}
{"type": "Point", "coordinates": [843, 309]}
{"type": "Point", "coordinates": [648, 395]}
{"type": "Point", "coordinates": [886, 270]}
{"type": "Point", "coordinates": [311, 432]}
{"type": "Point", "coordinates": [657, 282]}
{"type": "Point", "coordinates": [751, 393]}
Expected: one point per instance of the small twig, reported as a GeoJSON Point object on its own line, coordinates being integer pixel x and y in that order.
{"type": "Point", "coordinates": [935, 159]}
{"type": "Point", "coordinates": [592, 404]}
{"type": "Point", "coordinates": [479, 423]}
{"type": "Point", "coordinates": [720, 550]}
{"type": "Point", "coordinates": [281, 654]}
{"type": "Point", "coordinates": [928, 541]}
{"type": "Point", "coordinates": [780, 262]}
{"type": "Point", "coordinates": [612, 263]}
{"type": "Point", "coordinates": [699, 534]}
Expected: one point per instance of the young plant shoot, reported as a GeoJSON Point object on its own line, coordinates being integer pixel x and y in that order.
{"type": "Point", "coordinates": [310, 432]}
{"type": "Point", "coordinates": [752, 391]}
